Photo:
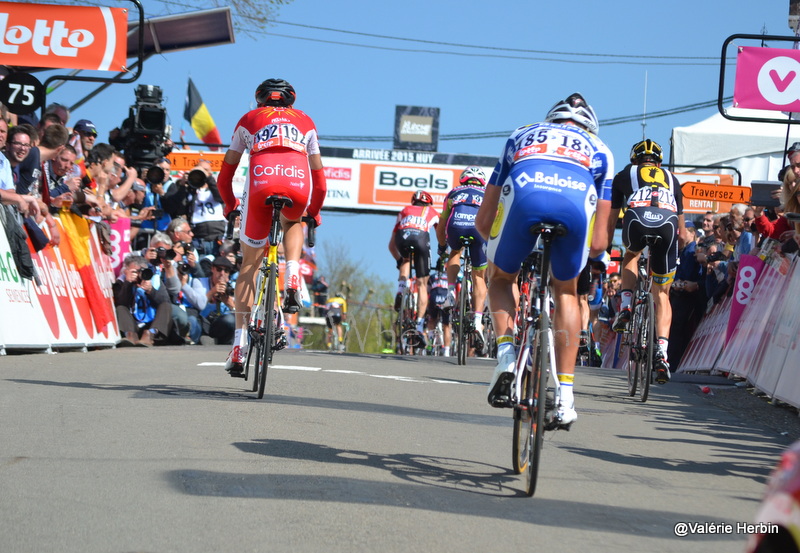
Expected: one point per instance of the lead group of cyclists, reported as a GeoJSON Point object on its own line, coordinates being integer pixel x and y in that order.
{"type": "Point", "coordinates": [557, 171]}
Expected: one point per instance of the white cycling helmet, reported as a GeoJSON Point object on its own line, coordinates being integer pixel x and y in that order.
{"type": "Point", "coordinates": [473, 172]}
{"type": "Point", "coordinates": [574, 108]}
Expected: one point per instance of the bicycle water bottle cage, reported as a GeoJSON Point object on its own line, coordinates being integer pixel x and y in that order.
{"type": "Point", "coordinates": [279, 202]}
{"type": "Point", "coordinates": [553, 231]}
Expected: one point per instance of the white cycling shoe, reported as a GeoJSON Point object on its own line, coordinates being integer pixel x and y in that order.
{"type": "Point", "coordinates": [500, 386]}
{"type": "Point", "coordinates": [566, 415]}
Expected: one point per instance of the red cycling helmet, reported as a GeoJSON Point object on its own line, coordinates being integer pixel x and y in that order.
{"type": "Point", "coordinates": [421, 197]}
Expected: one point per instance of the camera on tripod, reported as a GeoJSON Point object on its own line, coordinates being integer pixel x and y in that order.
{"type": "Point", "coordinates": [143, 135]}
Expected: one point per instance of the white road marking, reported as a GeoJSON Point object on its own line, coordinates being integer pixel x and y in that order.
{"type": "Point", "coordinates": [344, 371]}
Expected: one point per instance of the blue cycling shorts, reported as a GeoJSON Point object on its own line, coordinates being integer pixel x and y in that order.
{"type": "Point", "coordinates": [543, 192]}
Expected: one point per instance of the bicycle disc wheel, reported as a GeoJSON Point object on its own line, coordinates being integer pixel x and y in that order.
{"type": "Point", "coordinates": [269, 329]}
{"type": "Point", "coordinates": [463, 346]}
{"type": "Point", "coordinates": [648, 341]}
{"type": "Point", "coordinates": [256, 346]}
{"type": "Point", "coordinates": [540, 369]}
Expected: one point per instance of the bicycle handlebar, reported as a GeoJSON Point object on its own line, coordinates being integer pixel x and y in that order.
{"type": "Point", "coordinates": [231, 220]}
{"type": "Point", "coordinates": [312, 230]}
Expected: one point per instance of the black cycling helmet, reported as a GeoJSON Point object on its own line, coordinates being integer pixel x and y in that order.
{"type": "Point", "coordinates": [275, 92]}
{"type": "Point", "coordinates": [421, 197]}
{"type": "Point", "coordinates": [574, 108]}
{"type": "Point", "coordinates": [646, 149]}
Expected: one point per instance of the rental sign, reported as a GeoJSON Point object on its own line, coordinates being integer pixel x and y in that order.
{"type": "Point", "coordinates": [71, 37]}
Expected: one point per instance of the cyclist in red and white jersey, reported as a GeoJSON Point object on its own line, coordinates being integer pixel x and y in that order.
{"type": "Point", "coordinates": [284, 159]}
{"type": "Point", "coordinates": [412, 229]}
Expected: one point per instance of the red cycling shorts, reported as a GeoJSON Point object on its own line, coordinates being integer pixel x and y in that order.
{"type": "Point", "coordinates": [284, 173]}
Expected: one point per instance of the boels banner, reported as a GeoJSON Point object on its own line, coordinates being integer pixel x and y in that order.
{"type": "Point", "coordinates": [70, 37]}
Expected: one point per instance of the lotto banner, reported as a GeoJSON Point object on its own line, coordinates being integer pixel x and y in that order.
{"type": "Point", "coordinates": [70, 37]}
{"type": "Point", "coordinates": [767, 78]}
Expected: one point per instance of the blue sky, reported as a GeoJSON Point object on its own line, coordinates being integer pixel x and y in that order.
{"type": "Point", "coordinates": [353, 91]}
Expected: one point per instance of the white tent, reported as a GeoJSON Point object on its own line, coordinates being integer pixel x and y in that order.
{"type": "Point", "coordinates": [755, 149]}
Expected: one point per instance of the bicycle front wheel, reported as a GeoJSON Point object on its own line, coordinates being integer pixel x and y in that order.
{"type": "Point", "coordinates": [647, 341]}
{"type": "Point", "coordinates": [269, 328]}
{"type": "Point", "coordinates": [540, 369]}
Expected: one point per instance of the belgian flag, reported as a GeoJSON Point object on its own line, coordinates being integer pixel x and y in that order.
{"type": "Point", "coordinates": [196, 113]}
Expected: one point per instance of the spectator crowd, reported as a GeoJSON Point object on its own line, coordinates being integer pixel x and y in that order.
{"type": "Point", "coordinates": [176, 286]}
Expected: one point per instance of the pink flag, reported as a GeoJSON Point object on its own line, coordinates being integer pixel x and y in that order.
{"type": "Point", "coordinates": [767, 78]}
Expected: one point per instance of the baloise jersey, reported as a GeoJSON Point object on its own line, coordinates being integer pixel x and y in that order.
{"type": "Point", "coordinates": [557, 144]}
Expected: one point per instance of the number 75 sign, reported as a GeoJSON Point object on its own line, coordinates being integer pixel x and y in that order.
{"type": "Point", "coordinates": [22, 93]}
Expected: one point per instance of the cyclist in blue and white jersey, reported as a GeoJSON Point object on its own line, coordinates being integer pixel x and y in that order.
{"type": "Point", "coordinates": [654, 204]}
{"type": "Point", "coordinates": [458, 220]}
{"type": "Point", "coordinates": [556, 172]}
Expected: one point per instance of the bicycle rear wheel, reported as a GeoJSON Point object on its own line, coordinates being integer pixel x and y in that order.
{"type": "Point", "coordinates": [463, 338]}
{"type": "Point", "coordinates": [540, 369]}
{"type": "Point", "coordinates": [521, 440]}
{"type": "Point", "coordinates": [269, 328]}
{"type": "Point", "coordinates": [647, 341]}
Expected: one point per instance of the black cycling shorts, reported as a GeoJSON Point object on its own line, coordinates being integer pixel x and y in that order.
{"type": "Point", "coordinates": [649, 221]}
{"type": "Point", "coordinates": [333, 319]}
{"type": "Point", "coordinates": [420, 241]}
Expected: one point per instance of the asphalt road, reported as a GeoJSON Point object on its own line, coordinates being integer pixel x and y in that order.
{"type": "Point", "coordinates": [158, 450]}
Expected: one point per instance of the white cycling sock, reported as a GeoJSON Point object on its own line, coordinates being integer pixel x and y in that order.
{"type": "Point", "coordinates": [240, 338]}
{"type": "Point", "coordinates": [625, 299]}
{"type": "Point", "coordinates": [565, 380]}
{"type": "Point", "coordinates": [292, 269]}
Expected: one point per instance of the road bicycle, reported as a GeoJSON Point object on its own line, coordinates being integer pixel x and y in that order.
{"type": "Point", "coordinates": [435, 345]}
{"type": "Point", "coordinates": [409, 340]}
{"type": "Point", "coordinates": [640, 336]}
{"type": "Point", "coordinates": [588, 354]}
{"type": "Point", "coordinates": [265, 328]}
{"type": "Point", "coordinates": [535, 407]}
{"type": "Point", "coordinates": [334, 342]}
{"type": "Point", "coordinates": [464, 319]}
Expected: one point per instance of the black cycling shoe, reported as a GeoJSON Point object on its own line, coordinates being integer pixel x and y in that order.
{"type": "Point", "coordinates": [397, 299]}
{"type": "Point", "coordinates": [236, 371]}
{"type": "Point", "coordinates": [622, 320]}
{"type": "Point", "coordinates": [291, 303]}
{"type": "Point", "coordinates": [661, 367]}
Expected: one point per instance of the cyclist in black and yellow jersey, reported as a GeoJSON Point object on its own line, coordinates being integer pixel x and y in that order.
{"type": "Point", "coordinates": [335, 315]}
{"type": "Point", "coordinates": [652, 196]}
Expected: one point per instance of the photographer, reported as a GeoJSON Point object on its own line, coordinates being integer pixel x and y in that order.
{"type": "Point", "coordinates": [166, 261]}
{"type": "Point", "coordinates": [179, 230]}
{"type": "Point", "coordinates": [154, 192]}
{"type": "Point", "coordinates": [190, 298]}
{"type": "Point", "coordinates": [143, 310]}
{"type": "Point", "coordinates": [197, 198]}
{"type": "Point", "coordinates": [218, 316]}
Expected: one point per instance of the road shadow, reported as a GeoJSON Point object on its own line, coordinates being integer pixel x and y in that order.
{"type": "Point", "coordinates": [437, 484]}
